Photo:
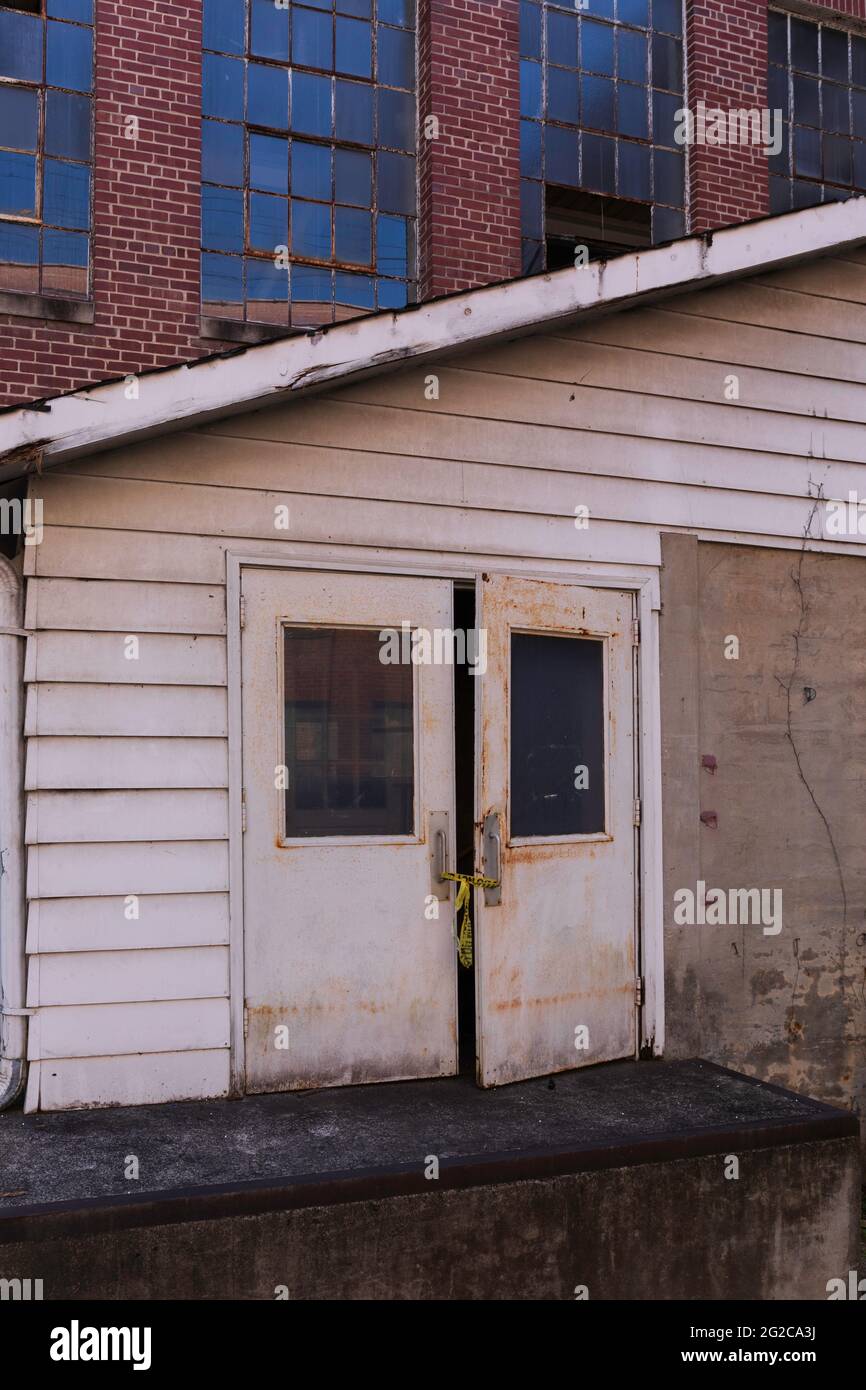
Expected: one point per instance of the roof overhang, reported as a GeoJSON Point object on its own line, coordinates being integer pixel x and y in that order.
{"type": "Point", "coordinates": [104, 416]}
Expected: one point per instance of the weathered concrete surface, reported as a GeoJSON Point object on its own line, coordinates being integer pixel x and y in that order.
{"type": "Point", "coordinates": [789, 1008]}
{"type": "Point", "coordinates": [616, 1179]}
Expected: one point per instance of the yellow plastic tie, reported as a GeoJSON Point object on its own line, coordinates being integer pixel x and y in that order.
{"type": "Point", "coordinates": [464, 936]}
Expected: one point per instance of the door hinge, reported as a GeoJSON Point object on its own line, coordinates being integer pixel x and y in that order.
{"type": "Point", "coordinates": [638, 992]}
{"type": "Point", "coordinates": [637, 810]}
{"type": "Point", "coordinates": [243, 611]}
{"type": "Point", "coordinates": [243, 812]}
{"type": "Point", "coordinates": [635, 632]}
{"type": "Point", "coordinates": [246, 1021]}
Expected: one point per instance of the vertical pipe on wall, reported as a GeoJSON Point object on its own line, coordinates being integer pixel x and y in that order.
{"type": "Point", "coordinates": [13, 1019]}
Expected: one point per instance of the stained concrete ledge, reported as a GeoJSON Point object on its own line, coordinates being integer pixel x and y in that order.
{"type": "Point", "coordinates": [613, 1179]}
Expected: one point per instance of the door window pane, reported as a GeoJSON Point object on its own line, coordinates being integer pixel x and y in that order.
{"type": "Point", "coordinates": [557, 736]}
{"type": "Point", "coordinates": [348, 736]}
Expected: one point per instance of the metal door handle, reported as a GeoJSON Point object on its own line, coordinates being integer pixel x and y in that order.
{"type": "Point", "coordinates": [440, 851]}
{"type": "Point", "coordinates": [437, 835]}
{"type": "Point", "coordinates": [491, 852]}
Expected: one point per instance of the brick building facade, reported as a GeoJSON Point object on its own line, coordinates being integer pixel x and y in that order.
{"type": "Point", "coordinates": [440, 213]}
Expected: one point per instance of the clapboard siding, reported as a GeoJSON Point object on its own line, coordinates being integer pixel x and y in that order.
{"type": "Point", "coordinates": [156, 1078]}
{"type": "Point", "coordinates": [118, 977]}
{"type": "Point", "coordinates": [94, 764]}
{"type": "Point", "coordinates": [127, 765]}
{"type": "Point", "coordinates": [175, 1025]}
{"type": "Point", "coordinates": [72, 817]}
{"type": "Point", "coordinates": [111, 924]}
{"type": "Point", "coordinates": [137, 710]}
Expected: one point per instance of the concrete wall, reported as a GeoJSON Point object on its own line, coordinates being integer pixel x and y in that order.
{"type": "Point", "coordinates": [781, 1231]}
{"type": "Point", "coordinates": [788, 796]}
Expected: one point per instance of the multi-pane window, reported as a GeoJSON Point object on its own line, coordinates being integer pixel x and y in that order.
{"type": "Point", "coordinates": [600, 89]}
{"type": "Point", "coordinates": [309, 195]}
{"type": "Point", "coordinates": [46, 87]}
{"type": "Point", "coordinates": [817, 79]}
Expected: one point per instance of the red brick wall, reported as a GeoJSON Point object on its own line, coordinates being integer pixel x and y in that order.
{"type": "Point", "coordinates": [726, 48]}
{"type": "Point", "coordinates": [469, 210]}
{"type": "Point", "coordinates": [146, 212]}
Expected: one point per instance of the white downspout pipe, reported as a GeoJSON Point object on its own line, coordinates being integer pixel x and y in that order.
{"type": "Point", "coordinates": [13, 1018]}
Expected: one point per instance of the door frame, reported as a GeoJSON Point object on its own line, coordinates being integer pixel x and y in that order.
{"type": "Point", "coordinates": [642, 581]}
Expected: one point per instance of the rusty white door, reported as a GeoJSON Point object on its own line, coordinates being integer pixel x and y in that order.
{"type": "Point", "coordinates": [348, 756]}
{"type": "Point", "coordinates": [556, 986]}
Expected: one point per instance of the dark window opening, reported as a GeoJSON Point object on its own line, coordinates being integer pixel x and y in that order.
{"type": "Point", "coordinates": [605, 226]}
{"type": "Point", "coordinates": [464, 838]}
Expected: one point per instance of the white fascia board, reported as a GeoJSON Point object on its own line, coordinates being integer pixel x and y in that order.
{"type": "Point", "coordinates": [103, 417]}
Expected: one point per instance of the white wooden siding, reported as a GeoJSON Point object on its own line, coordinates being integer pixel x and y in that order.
{"type": "Point", "coordinates": [127, 764]}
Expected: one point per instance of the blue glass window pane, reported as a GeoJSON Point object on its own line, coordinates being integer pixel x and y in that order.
{"type": "Point", "coordinates": [397, 12]}
{"type": "Point", "coordinates": [19, 117]}
{"type": "Point", "coordinates": [353, 182]}
{"type": "Point", "coordinates": [269, 222]}
{"type": "Point", "coordinates": [777, 37]}
{"type": "Point", "coordinates": [603, 8]}
{"type": "Point", "coordinates": [563, 96]}
{"type": "Point", "coordinates": [532, 209]}
{"type": "Point", "coordinates": [354, 53]}
{"type": "Point", "coordinates": [634, 12]}
{"type": "Point", "coordinates": [596, 54]}
{"type": "Point", "coordinates": [19, 246]}
{"type": "Point", "coordinates": [311, 230]}
{"type": "Point", "coordinates": [530, 90]}
{"type": "Point", "coordinates": [599, 164]}
{"type": "Point", "coordinates": [667, 63]}
{"type": "Point", "coordinates": [69, 57]}
{"type": "Point", "coordinates": [222, 153]}
{"type": "Point", "coordinates": [666, 120]}
{"type": "Point", "coordinates": [837, 159]}
{"type": "Point", "coordinates": [312, 39]}
{"type": "Point", "coordinates": [780, 195]}
{"type": "Point", "coordinates": [222, 280]}
{"type": "Point", "coordinates": [396, 182]}
{"type": "Point", "coordinates": [223, 27]}
{"type": "Point", "coordinates": [396, 58]}
{"type": "Point", "coordinates": [632, 56]}
{"type": "Point", "coordinates": [20, 45]}
{"type": "Point", "coordinates": [396, 119]}
{"type": "Point", "coordinates": [669, 177]}
{"type": "Point", "coordinates": [668, 225]}
{"type": "Point", "coordinates": [361, 9]}
{"type": "Point", "coordinates": [530, 149]}
{"type": "Point", "coordinates": [311, 104]}
{"type": "Point", "coordinates": [834, 54]}
{"type": "Point", "coordinates": [836, 111]}
{"type": "Point", "coordinates": [65, 194]}
{"type": "Point", "coordinates": [268, 96]}
{"type": "Point", "coordinates": [634, 171]}
{"type": "Point", "coordinates": [320, 4]}
{"type": "Point", "coordinates": [266, 283]}
{"type": "Point", "coordinates": [859, 164]}
{"type": "Point", "coordinates": [859, 114]}
{"type": "Point", "coordinates": [807, 152]}
{"type": "Point", "coordinates": [807, 109]}
{"type": "Point", "coordinates": [67, 125]}
{"type": "Point", "coordinates": [18, 184]}
{"type": "Point", "coordinates": [222, 218]}
{"type": "Point", "coordinates": [392, 247]}
{"type": "Point", "coordinates": [780, 163]}
{"type": "Point", "coordinates": [858, 61]}
{"type": "Point", "coordinates": [269, 163]}
{"type": "Point", "coordinates": [223, 87]}
{"type": "Point", "coordinates": [668, 15]}
{"type": "Point", "coordinates": [392, 294]}
{"type": "Point", "coordinates": [66, 249]}
{"type": "Point", "coordinates": [354, 110]}
{"type": "Point", "coordinates": [311, 285]}
{"type": "Point", "coordinates": [355, 291]}
{"type": "Point", "coordinates": [806, 195]}
{"type": "Point", "coordinates": [532, 257]}
{"type": "Point", "coordinates": [311, 171]}
{"type": "Point", "coordinates": [353, 235]}
{"type": "Point", "coordinates": [562, 153]}
{"type": "Point", "coordinates": [597, 97]}
{"type": "Point", "coordinates": [530, 30]}
{"type": "Point", "coordinates": [804, 45]}
{"type": "Point", "coordinates": [633, 111]}
{"type": "Point", "coordinates": [562, 34]}
{"type": "Point", "coordinates": [777, 90]}
{"type": "Point", "coordinates": [79, 10]}
{"type": "Point", "coordinates": [269, 31]}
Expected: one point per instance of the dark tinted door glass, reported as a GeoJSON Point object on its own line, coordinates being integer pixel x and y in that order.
{"type": "Point", "coordinates": [557, 736]}
{"type": "Point", "coordinates": [349, 736]}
